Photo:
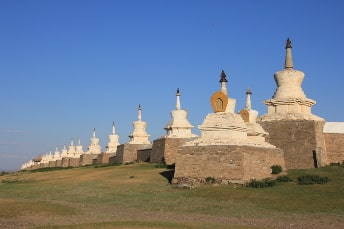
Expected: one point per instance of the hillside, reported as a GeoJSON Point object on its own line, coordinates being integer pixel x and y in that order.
{"type": "Point", "coordinates": [140, 196]}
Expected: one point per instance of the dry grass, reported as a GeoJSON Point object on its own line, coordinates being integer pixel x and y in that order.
{"type": "Point", "coordinates": [138, 196]}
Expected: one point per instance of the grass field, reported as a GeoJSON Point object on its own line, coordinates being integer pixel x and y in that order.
{"type": "Point", "coordinates": [140, 196]}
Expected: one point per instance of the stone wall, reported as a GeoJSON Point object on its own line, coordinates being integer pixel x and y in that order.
{"type": "Point", "coordinates": [87, 159]}
{"type": "Point", "coordinates": [165, 149]}
{"type": "Point", "coordinates": [128, 152]}
{"type": "Point", "coordinates": [52, 164]}
{"type": "Point", "coordinates": [225, 163]}
{"type": "Point", "coordinates": [65, 162]}
{"type": "Point", "coordinates": [74, 162]}
{"type": "Point", "coordinates": [103, 158]}
{"type": "Point", "coordinates": [59, 163]}
{"type": "Point", "coordinates": [334, 147]}
{"type": "Point", "coordinates": [302, 141]}
{"type": "Point", "coordinates": [144, 155]}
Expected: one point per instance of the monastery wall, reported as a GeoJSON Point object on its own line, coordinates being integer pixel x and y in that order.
{"type": "Point", "coordinates": [103, 158]}
{"type": "Point", "coordinates": [165, 150]}
{"type": "Point", "coordinates": [86, 159]}
{"type": "Point", "coordinates": [226, 163]}
{"type": "Point", "coordinates": [128, 152]}
{"type": "Point", "coordinates": [302, 141]}
{"type": "Point", "coordinates": [144, 155]}
{"type": "Point", "coordinates": [334, 147]}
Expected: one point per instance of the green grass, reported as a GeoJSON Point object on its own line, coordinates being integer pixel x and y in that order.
{"type": "Point", "coordinates": [137, 195]}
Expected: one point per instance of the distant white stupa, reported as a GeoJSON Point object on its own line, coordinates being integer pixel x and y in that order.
{"type": "Point", "coordinates": [94, 147]}
{"type": "Point", "coordinates": [139, 134]}
{"type": "Point", "coordinates": [113, 141]}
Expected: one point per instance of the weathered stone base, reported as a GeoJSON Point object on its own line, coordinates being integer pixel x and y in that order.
{"type": "Point", "coordinates": [144, 155]}
{"type": "Point", "coordinates": [87, 159]}
{"type": "Point", "coordinates": [302, 141]}
{"type": "Point", "coordinates": [65, 162]}
{"type": "Point", "coordinates": [164, 150]}
{"type": "Point", "coordinates": [128, 152]}
{"type": "Point", "coordinates": [334, 147]}
{"type": "Point", "coordinates": [52, 164]}
{"type": "Point", "coordinates": [112, 160]}
{"type": "Point", "coordinates": [103, 158]}
{"type": "Point", "coordinates": [74, 162]}
{"type": "Point", "coordinates": [58, 163]}
{"type": "Point", "coordinates": [225, 163]}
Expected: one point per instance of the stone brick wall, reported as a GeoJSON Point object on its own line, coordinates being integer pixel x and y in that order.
{"type": "Point", "coordinates": [165, 149]}
{"type": "Point", "coordinates": [334, 147]}
{"type": "Point", "coordinates": [103, 158]}
{"type": "Point", "coordinates": [301, 141]}
{"type": "Point", "coordinates": [59, 163]}
{"type": "Point", "coordinates": [225, 163]}
{"type": "Point", "coordinates": [144, 155]}
{"type": "Point", "coordinates": [74, 162]}
{"type": "Point", "coordinates": [128, 152]}
{"type": "Point", "coordinates": [65, 162]}
{"type": "Point", "coordinates": [87, 159]}
{"type": "Point", "coordinates": [112, 160]}
{"type": "Point", "coordinates": [52, 163]}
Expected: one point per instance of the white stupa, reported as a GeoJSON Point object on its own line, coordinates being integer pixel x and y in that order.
{"type": "Point", "coordinates": [111, 147]}
{"type": "Point", "coordinates": [71, 149]}
{"type": "Point", "coordinates": [255, 131]}
{"type": "Point", "coordinates": [64, 152]}
{"type": "Point", "coordinates": [139, 134]}
{"type": "Point", "coordinates": [94, 147]}
{"type": "Point", "coordinates": [78, 150]}
{"type": "Point", "coordinates": [179, 126]}
{"type": "Point", "coordinates": [224, 127]}
{"type": "Point", "coordinates": [289, 101]}
{"type": "Point", "coordinates": [57, 155]}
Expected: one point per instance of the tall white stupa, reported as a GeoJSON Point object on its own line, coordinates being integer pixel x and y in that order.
{"type": "Point", "coordinates": [179, 126]}
{"type": "Point", "coordinates": [139, 134]}
{"type": "Point", "coordinates": [94, 147]}
{"type": "Point", "coordinates": [64, 152]}
{"type": "Point", "coordinates": [71, 149]}
{"type": "Point", "coordinates": [289, 101]}
{"type": "Point", "coordinates": [78, 149]}
{"type": "Point", "coordinates": [111, 147]}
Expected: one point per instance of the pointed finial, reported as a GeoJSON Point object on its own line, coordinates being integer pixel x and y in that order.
{"type": "Point", "coordinates": [94, 132]}
{"type": "Point", "coordinates": [139, 113]}
{"type": "Point", "coordinates": [288, 57]}
{"type": "Point", "coordinates": [113, 127]}
{"type": "Point", "coordinates": [72, 142]}
{"type": "Point", "coordinates": [288, 43]}
{"type": "Point", "coordinates": [79, 141]}
{"type": "Point", "coordinates": [178, 100]}
{"type": "Point", "coordinates": [223, 77]}
{"type": "Point", "coordinates": [248, 99]}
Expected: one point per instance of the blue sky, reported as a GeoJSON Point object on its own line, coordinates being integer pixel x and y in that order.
{"type": "Point", "coordinates": [67, 67]}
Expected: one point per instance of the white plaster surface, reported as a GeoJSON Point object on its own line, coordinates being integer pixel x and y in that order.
{"type": "Point", "coordinates": [334, 127]}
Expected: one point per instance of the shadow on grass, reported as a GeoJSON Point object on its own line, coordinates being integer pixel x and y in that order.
{"type": "Point", "coordinates": [168, 174]}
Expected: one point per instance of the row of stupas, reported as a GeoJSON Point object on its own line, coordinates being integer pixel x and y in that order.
{"type": "Point", "coordinates": [177, 127]}
{"type": "Point", "coordinates": [233, 147]}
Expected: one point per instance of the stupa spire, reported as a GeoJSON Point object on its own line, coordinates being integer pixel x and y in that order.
{"type": "Point", "coordinates": [113, 127]}
{"type": "Point", "coordinates": [94, 132]}
{"type": "Point", "coordinates": [248, 99]}
{"type": "Point", "coordinates": [72, 142]}
{"type": "Point", "coordinates": [178, 100]}
{"type": "Point", "coordinates": [223, 82]}
{"type": "Point", "coordinates": [79, 141]}
{"type": "Point", "coordinates": [288, 57]}
{"type": "Point", "coordinates": [139, 113]}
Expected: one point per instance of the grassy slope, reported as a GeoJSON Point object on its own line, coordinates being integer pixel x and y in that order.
{"type": "Point", "coordinates": [138, 196]}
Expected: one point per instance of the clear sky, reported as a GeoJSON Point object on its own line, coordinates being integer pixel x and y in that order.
{"type": "Point", "coordinates": [68, 66]}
